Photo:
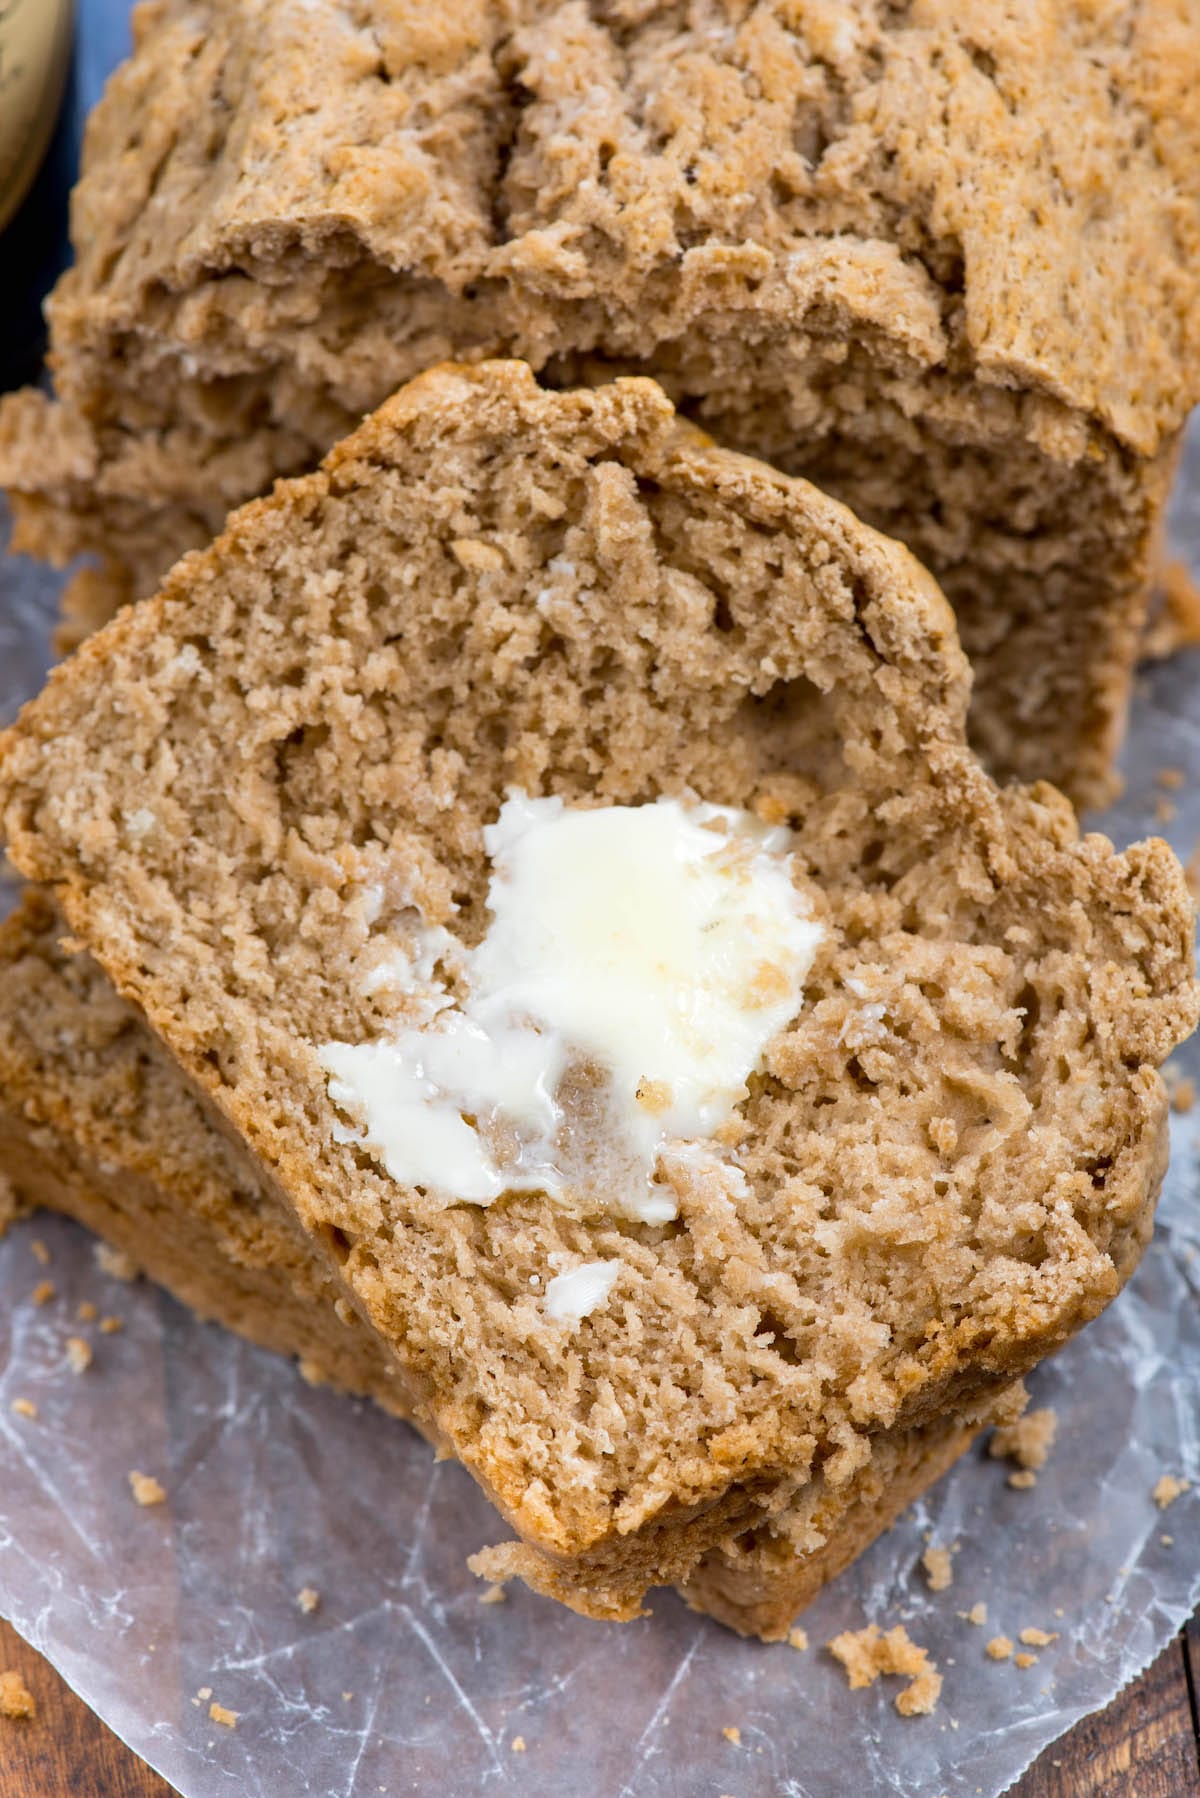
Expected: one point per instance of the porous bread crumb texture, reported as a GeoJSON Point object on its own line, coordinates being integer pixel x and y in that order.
{"type": "Point", "coordinates": [99, 1122]}
{"type": "Point", "coordinates": [16, 1700]}
{"type": "Point", "coordinates": [939, 1570]}
{"type": "Point", "coordinates": [330, 702]}
{"type": "Point", "coordinates": [1038, 1638]}
{"type": "Point", "coordinates": [797, 1638]}
{"type": "Point", "coordinates": [1000, 1648]}
{"type": "Point", "coordinates": [1025, 1660]}
{"type": "Point", "coordinates": [286, 212]}
{"type": "Point", "coordinates": [220, 1714]}
{"type": "Point", "coordinates": [146, 1489]}
{"type": "Point", "coordinates": [977, 1613]}
{"type": "Point", "coordinates": [1168, 1488]}
{"type": "Point", "coordinates": [1028, 1440]}
{"type": "Point", "coordinates": [866, 1653]}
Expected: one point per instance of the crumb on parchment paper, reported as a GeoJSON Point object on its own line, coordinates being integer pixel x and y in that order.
{"type": "Point", "coordinates": [733, 1734]}
{"type": "Point", "coordinates": [146, 1489]}
{"type": "Point", "coordinates": [1022, 1478]}
{"type": "Point", "coordinates": [219, 1714]}
{"type": "Point", "coordinates": [976, 1614]}
{"type": "Point", "coordinates": [86, 1312]}
{"type": "Point", "coordinates": [308, 1598]}
{"type": "Point", "coordinates": [16, 1700]}
{"type": "Point", "coordinates": [999, 1648]}
{"type": "Point", "coordinates": [866, 1653]}
{"type": "Point", "coordinates": [110, 1325]}
{"type": "Point", "coordinates": [1028, 1441]}
{"type": "Point", "coordinates": [938, 1569]}
{"type": "Point", "coordinates": [43, 1292]}
{"type": "Point", "coordinates": [1167, 1489]}
{"type": "Point", "coordinates": [79, 1354]}
{"type": "Point", "coordinates": [797, 1638]}
{"type": "Point", "coordinates": [493, 1595]}
{"type": "Point", "coordinates": [1181, 1089]}
{"type": "Point", "coordinates": [115, 1262]}
{"type": "Point", "coordinates": [1038, 1638]}
{"type": "Point", "coordinates": [39, 1251]}
{"type": "Point", "coordinates": [1024, 1660]}
{"type": "Point", "coordinates": [518, 1744]}
{"type": "Point", "coordinates": [24, 1407]}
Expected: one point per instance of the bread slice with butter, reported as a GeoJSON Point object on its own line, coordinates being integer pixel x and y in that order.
{"type": "Point", "coordinates": [250, 789]}
{"type": "Point", "coordinates": [98, 1121]}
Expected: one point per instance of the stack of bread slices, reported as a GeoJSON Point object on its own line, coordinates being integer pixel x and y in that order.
{"type": "Point", "coordinates": [285, 816]}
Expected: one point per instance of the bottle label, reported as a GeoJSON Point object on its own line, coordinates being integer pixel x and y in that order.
{"type": "Point", "coordinates": [35, 47]}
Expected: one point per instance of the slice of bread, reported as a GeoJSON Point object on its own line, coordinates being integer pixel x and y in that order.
{"type": "Point", "coordinates": [97, 1121]}
{"type": "Point", "coordinates": [244, 789]}
{"type": "Point", "coordinates": [981, 331]}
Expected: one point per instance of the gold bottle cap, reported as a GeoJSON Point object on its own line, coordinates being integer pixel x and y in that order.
{"type": "Point", "coordinates": [35, 51]}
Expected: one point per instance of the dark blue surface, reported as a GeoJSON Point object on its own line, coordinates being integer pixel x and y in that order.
{"type": "Point", "coordinates": [103, 39]}
{"type": "Point", "coordinates": [35, 246]}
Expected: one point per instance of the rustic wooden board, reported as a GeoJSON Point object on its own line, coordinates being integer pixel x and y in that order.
{"type": "Point", "coordinates": [1146, 1743]}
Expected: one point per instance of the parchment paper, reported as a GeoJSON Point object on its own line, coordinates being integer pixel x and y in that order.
{"type": "Point", "coordinates": [401, 1681]}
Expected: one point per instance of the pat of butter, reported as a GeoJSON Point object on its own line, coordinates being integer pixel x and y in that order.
{"type": "Point", "coordinates": [576, 1294]}
{"type": "Point", "coordinates": [639, 961]}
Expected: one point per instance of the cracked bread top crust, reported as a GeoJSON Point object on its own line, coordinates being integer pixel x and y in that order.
{"type": "Point", "coordinates": [1006, 188]}
{"type": "Point", "coordinates": [950, 1156]}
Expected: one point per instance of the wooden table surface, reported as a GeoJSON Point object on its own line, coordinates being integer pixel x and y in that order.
{"type": "Point", "coordinates": [1145, 1745]}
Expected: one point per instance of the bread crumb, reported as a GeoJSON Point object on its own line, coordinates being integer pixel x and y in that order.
{"type": "Point", "coordinates": [797, 1638]}
{"type": "Point", "coordinates": [1164, 809]}
{"type": "Point", "coordinates": [1183, 1099]}
{"type": "Point", "coordinates": [115, 1262]}
{"type": "Point", "coordinates": [1028, 1441]}
{"type": "Point", "coordinates": [976, 1614]}
{"type": "Point", "coordinates": [16, 1700]}
{"type": "Point", "coordinates": [110, 1325]}
{"type": "Point", "coordinates": [1167, 1541]}
{"type": "Point", "coordinates": [733, 1734]}
{"type": "Point", "coordinates": [999, 1648]}
{"type": "Point", "coordinates": [1022, 1479]}
{"type": "Point", "coordinates": [204, 1692]}
{"type": "Point", "coordinates": [1038, 1638]}
{"type": "Point", "coordinates": [1168, 1489]}
{"type": "Point", "coordinates": [43, 1292]}
{"type": "Point", "coordinates": [518, 1744]}
{"type": "Point", "coordinates": [1025, 1660]}
{"type": "Point", "coordinates": [79, 1354]}
{"type": "Point", "coordinates": [24, 1407]}
{"type": "Point", "coordinates": [39, 1251]}
{"type": "Point", "coordinates": [308, 1599]}
{"type": "Point", "coordinates": [938, 1571]}
{"type": "Point", "coordinates": [1176, 625]}
{"type": "Point", "coordinates": [219, 1714]}
{"type": "Point", "coordinates": [146, 1489]}
{"type": "Point", "coordinates": [494, 1595]}
{"type": "Point", "coordinates": [866, 1653]}
{"type": "Point", "coordinates": [1171, 778]}
{"type": "Point", "coordinates": [87, 1312]}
